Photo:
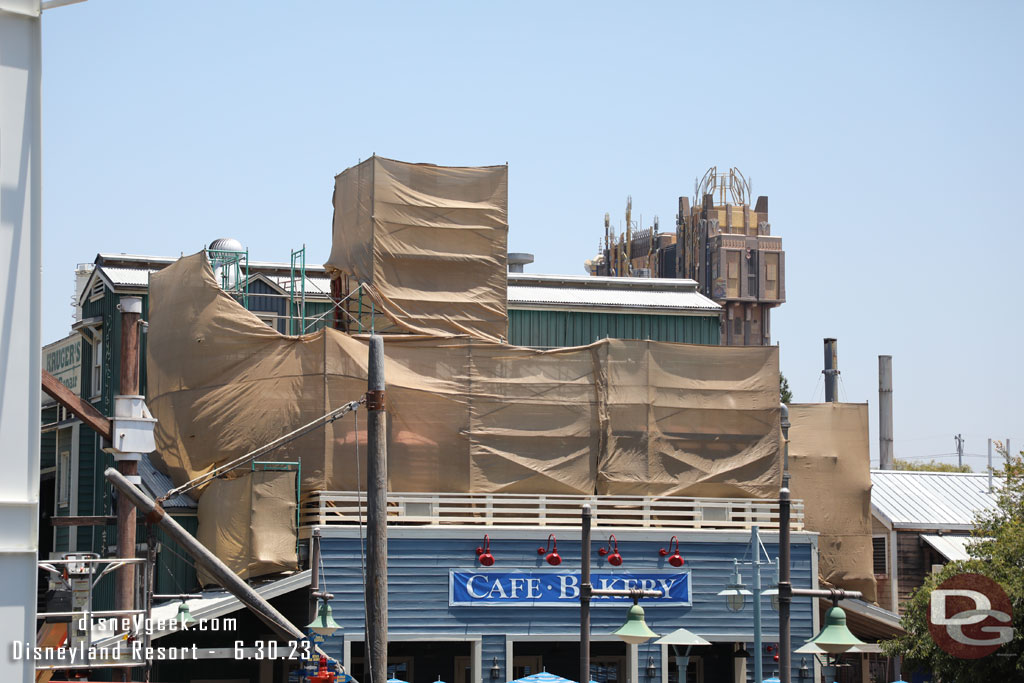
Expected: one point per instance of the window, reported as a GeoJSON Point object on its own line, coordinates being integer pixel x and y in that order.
{"type": "Point", "coordinates": [751, 273]}
{"type": "Point", "coordinates": [97, 368]}
{"type": "Point", "coordinates": [771, 276]}
{"type": "Point", "coordinates": [63, 478]}
{"type": "Point", "coordinates": [268, 317]}
{"type": "Point", "coordinates": [878, 555]}
{"type": "Point", "coordinates": [732, 264]}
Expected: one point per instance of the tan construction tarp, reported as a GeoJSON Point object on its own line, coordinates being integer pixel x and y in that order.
{"type": "Point", "coordinates": [829, 461]}
{"type": "Point", "coordinates": [427, 242]}
{"type": "Point", "coordinates": [615, 417]}
{"type": "Point", "coordinates": [249, 523]}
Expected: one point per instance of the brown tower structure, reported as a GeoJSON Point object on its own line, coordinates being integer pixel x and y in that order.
{"type": "Point", "coordinates": [728, 248]}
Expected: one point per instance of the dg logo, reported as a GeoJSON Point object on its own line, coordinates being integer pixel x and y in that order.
{"type": "Point", "coordinates": [970, 616]}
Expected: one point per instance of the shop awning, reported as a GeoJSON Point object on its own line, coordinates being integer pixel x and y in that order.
{"type": "Point", "coordinates": [219, 603]}
{"type": "Point", "coordinates": [951, 547]}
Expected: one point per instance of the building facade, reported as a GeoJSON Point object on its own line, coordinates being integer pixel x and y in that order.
{"type": "Point", "coordinates": [454, 619]}
{"type": "Point", "coordinates": [720, 242]}
{"type": "Point", "coordinates": [88, 362]}
{"type": "Point", "coordinates": [552, 311]}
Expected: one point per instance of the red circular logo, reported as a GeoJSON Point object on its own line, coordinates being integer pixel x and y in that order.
{"type": "Point", "coordinates": [970, 616]}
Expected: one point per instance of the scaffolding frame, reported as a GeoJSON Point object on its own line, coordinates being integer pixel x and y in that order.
{"type": "Point", "coordinates": [298, 262]}
{"type": "Point", "coordinates": [232, 271]}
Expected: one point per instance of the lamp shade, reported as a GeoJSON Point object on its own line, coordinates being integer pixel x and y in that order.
{"type": "Point", "coordinates": [324, 624]}
{"type": "Point", "coordinates": [681, 637]}
{"type": "Point", "coordinates": [184, 616]}
{"type": "Point", "coordinates": [635, 629]}
{"type": "Point", "coordinates": [835, 638]}
{"type": "Point", "coordinates": [735, 593]}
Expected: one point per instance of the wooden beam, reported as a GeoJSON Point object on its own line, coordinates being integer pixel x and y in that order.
{"type": "Point", "coordinates": [101, 520]}
{"type": "Point", "coordinates": [82, 409]}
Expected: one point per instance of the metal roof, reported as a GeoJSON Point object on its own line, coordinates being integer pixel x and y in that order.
{"type": "Point", "coordinates": [930, 500]}
{"type": "Point", "coordinates": [661, 294]}
{"type": "Point", "coordinates": [126, 277]}
{"type": "Point", "coordinates": [951, 547]}
{"type": "Point", "coordinates": [158, 483]}
{"type": "Point", "coordinates": [217, 603]}
{"type": "Point", "coordinates": [315, 286]}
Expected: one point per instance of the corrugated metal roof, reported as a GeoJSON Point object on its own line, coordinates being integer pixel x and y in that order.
{"type": "Point", "coordinates": [930, 500]}
{"type": "Point", "coordinates": [217, 603]}
{"type": "Point", "coordinates": [606, 297]}
{"type": "Point", "coordinates": [316, 286]}
{"type": "Point", "coordinates": [158, 483]}
{"type": "Point", "coordinates": [951, 547]}
{"type": "Point", "coordinates": [127, 277]}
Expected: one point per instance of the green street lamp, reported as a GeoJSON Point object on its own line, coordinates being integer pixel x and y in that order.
{"type": "Point", "coordinates": [635, 629]}
{"type": "Point", "coordinates": [835, 638]}
{"type": "Point", "coordinates": [324, 623]}
{"type": "Point", "coordinates": [184, 616]}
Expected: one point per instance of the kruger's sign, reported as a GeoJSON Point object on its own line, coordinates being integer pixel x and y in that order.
{"type": "Point", "coordinates": [553, 588]}
{"type": "Point", "coordinates": [970, 616]}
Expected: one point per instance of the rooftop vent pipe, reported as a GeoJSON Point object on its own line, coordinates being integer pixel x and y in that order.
{"type": "Point", "coordinates": [885, 455]}
{"type": "Point", "coordinates": [831, 369]}
{"type": "Point", "coordinates": [517, 260]}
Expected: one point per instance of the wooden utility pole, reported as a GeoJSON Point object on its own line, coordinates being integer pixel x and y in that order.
{"type": "Point", "coordinates": [376, 516]}
{"type": "Point", "coordinates": [127, 464]}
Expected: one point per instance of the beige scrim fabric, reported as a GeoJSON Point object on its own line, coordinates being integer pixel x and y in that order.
{"type": "Point", "coordinates": [831, 472]}
{"type": "Point", "coordinates": [464, 415]}
{"type": "Point", "coordinates": [249, 523]}
{"type": "Point", "coordinates": [428, 243]}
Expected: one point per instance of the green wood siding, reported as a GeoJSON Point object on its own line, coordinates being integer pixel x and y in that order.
{"type": "Point", "coordinates": [176, 571]}
{"type": "Point", "coordinates": [48, 440]}
{"type": "Point", "coordinates": [555, 329]}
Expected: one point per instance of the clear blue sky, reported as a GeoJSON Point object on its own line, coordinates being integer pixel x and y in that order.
{"type": "Point", "coordinates": [887, 137]}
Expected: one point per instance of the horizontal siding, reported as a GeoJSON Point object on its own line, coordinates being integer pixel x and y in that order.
{"type": "Point", "coordinates": [418, 589]}
{"type": "Point", "coordinates": [176, 570]}
{"type": "Point", "coordinates": [48, 440]}
{"type": "Point", "coordinates": [557, 329]}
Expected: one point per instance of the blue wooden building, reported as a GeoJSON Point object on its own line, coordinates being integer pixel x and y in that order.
{"type": "Point", "coordinates": [453, 619]}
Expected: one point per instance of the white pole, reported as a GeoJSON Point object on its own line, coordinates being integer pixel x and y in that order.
{"type": "Point", "coordinates": [990, 465]}
{"type": "Point", "coordinates": [20, 315]}
{"type": "Point", "coordinates": [755, 554]}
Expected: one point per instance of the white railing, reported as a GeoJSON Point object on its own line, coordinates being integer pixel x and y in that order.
{"type": "Point", "coordinates": [509, 509]}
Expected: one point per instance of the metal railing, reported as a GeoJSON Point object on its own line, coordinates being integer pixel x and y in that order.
{"type": "Point", "coordinates": [79, 573]}
{"type": "Point", "coordinates": [505, 509]}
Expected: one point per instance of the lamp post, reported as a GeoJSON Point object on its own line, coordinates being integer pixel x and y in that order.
{"type": "Point", "coordinates": [634, 631]}
{"type": "Point", "coordinates": [735, 593]}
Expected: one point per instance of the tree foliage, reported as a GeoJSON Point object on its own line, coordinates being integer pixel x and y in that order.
{"type": "Point", "coordinates": [930, 466]}
{"type": "Point", "coordinates": [998, 554]}
{"type": "Point", "coordinates": [785, 395]}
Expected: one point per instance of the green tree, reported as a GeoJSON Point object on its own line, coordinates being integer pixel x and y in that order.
{"type": "Point", "coordinates": [998, 554]}
{"type": "Point", "coordinates": [930, 466]}
{"type": "Point", "coordinates": [785, 395]}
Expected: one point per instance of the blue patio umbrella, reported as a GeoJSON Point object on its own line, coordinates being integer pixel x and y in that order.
{"type": "Point", "coordinates": [542, 677]}
{"type": "Point", "coordinates": [395, 680]}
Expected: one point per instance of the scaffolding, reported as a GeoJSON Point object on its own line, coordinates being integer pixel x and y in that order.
{"type": "Point", "coordinates": [231, 268]}
{"type": "Point", "coordinates": [297, 306]}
